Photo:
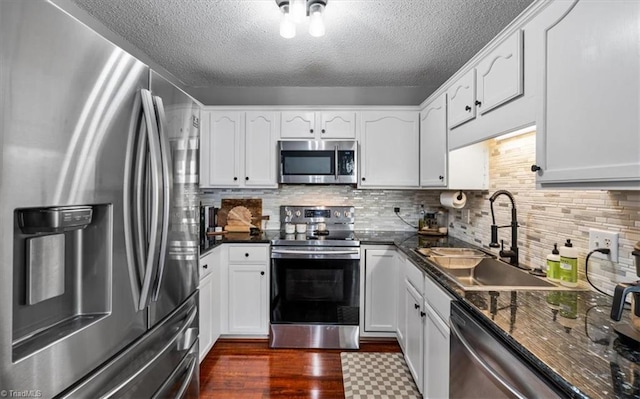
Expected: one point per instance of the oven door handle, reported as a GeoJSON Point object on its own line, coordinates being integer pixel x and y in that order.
{"type": "Point", "coordinates": [331, 252]}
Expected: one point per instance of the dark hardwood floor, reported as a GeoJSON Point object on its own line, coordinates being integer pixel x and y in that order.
{"type": "Point", "coordinates": [249, 369]}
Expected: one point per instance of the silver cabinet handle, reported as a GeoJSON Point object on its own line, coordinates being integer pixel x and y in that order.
{"type": "Point", "coordinates": [167, 185]}
{"type": "Point", "coordinates": [478, 360]}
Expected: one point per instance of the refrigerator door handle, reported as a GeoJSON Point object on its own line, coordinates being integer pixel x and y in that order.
{"type": "Point", "coordinates": [128, 208]}
{"type": "Point", "coordinates": [193, 361]}
{"type": "Point", "coordinates": [167, 184]}
{"type": "Point", "coordinates": [154, 199]}
{"type": "Point", "coordinates": [114, 392]}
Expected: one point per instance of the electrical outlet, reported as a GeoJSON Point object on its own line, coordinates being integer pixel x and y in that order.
{"type": "Point", "coordinates": [396, 209]}
{"type": "Point", "coordinates": [604, 239]}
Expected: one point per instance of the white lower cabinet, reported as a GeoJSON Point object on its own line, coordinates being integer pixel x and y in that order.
{"type": "Point", "coordinates": [437, 307]}
{"type": "Point", "coordinates": [248, 305]}
{"type": "Point", "coordinates": [206, 317]}
{"type": "Point", "coordinates": [402, 301]}
{"type": "Point", "coordinates": [414, 334]}
{"type": "Point", "coordinates": [210, 301]}
{"type": "Point", "coordinates": [381, 272]}
{"type": "Point", "coordinates": [436, 356]}
{"type": "Point", "coordinates": [248, 289]}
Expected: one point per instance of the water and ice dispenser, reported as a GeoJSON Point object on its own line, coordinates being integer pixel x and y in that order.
{"type": "Point", "coordinates": [62, 272]}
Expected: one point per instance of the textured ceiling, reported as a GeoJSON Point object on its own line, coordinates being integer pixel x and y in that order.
{"type": "Point", "coordinates": [211, 43]}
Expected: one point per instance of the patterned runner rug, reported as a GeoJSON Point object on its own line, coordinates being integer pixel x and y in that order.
{"type": "Point", "coordinates": [376, 375]}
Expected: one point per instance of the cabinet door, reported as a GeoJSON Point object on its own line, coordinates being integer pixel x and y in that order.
{"type": "Point", "coordinates": [248, 299]}
{"type": "Point", "coordinates": [414, 338]}
{"type": "Point", "coordinates": [462, 96]}
{"type": "Point", "coordinates": [590, 96]}
{"type": "Point", "coordinates": [297, 125]}
{"type": "Point", "coordinates": [436, 356]}
{"type": "Point", "coordinates": [225, 134]}
{"type": "Point", "coordinates": [402, 304]}
{"type": "Point", "coordinates": [390, 149]}
{"type": "Point", "coordinates": [500, 74]}
{"type": "Point", "coordinates": [381, 272]}
{"type": "Point", "coordinates": [205, 316]}
{"type": "Point", "coordinates": [337, 125]}
{"type": "Point", "coordinates": [433, 143]}
{"type": "Point", "coordinates": [260, 149]}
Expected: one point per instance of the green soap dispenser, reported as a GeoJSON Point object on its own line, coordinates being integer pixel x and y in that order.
{"type": "Point", "coordinates": [569, 265]}
{"type": "Point", "coordinates": [553, 264]}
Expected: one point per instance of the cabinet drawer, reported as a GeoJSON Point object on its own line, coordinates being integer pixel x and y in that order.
{"type": "Point", "coordinates": [206, 264]}
{"type": "Point", "coordinates": [437, 298]}
{"type": "Point", "coordinates": [249, 254]}
{"type": "Point", "coordinates": [414, 276]}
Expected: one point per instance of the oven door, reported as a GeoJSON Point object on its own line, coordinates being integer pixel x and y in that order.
{"type": "Point", "coordinates": [315, 297]}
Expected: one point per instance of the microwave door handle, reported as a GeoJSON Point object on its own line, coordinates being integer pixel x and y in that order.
{"type": "Point", "coordinates": [336, 162]}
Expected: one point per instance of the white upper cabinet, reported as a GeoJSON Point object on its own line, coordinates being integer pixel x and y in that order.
{"type": "Point", "coordinates": [466, 168]}
{"type": "Point", "coordinates": [499, 76]}
{"type": "Point", "coordinates": [496, 79]}
{"type": "Point", "coordinates": [260, 149]}
{"type": "Point", "coordinates": [462, 96]}
{"type": "Point", "coordinates": [238, 149]}
{"type": "Point", "coordinates": [220, 156]}
{"type": "Point", "coordinates": [389, 149]}
{"type": "Point", "coordinates": [433, 143]}
{"type": "Point", "coordinates": [317, 125]}
{"type": "Point", "coordinates": [588, 134]}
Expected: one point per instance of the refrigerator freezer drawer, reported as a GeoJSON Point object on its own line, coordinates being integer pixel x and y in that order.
{"type": "Point", "coordinates": [164, 363]}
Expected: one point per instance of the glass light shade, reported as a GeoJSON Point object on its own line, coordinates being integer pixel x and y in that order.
{"type": "Point", "coordinates": [298, 10]}
{"type": "Point", "coordinates": [316, 24]}
{"type": "Point", "coordinates": [287, 26]}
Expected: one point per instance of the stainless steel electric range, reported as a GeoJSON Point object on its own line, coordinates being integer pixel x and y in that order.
{"type": "Point", "coordinates": [315, 279]}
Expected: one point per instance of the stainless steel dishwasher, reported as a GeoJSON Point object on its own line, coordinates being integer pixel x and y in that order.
{"type": "Point", "coordinates": [483, 367]}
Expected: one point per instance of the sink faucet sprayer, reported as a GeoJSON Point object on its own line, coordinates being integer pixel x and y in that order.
{"type": "Point", "coordinates": [512, 253]}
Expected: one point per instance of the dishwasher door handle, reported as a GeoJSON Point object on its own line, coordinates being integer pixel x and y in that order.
{"type": "Point", "coordinates": [482, 363]}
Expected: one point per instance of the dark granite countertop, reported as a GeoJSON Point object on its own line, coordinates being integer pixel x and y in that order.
{"type": "Point", "coordinates": [580, 354]}
{"type": "Point", "coordinates": [566, 335]}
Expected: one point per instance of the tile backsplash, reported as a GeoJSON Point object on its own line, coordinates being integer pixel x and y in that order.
{"type": "Point", "coordinates": [545, 216]}
{"type": "Point", "coordinates": [374, 208]}
{"type": "Point", "coordinates": [550, 216]}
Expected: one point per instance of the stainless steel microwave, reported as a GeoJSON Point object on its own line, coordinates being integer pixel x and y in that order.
{"type": "Point", "coordinates": [318, 162]}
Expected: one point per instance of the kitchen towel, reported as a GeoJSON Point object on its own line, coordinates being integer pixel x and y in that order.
{"type": "Point", "coordinates": [453, 199]}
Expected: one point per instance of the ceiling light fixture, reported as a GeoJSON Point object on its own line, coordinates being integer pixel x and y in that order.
{"type": "Point", "coordinates": [295, 11]}
{"type": "Point", "coordinates": [287, 26]}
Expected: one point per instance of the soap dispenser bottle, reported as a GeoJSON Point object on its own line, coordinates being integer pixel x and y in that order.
{"type": "Point", "coordinates": [569, 265]}
{"type": "Point", "coordinates": [553, 264]}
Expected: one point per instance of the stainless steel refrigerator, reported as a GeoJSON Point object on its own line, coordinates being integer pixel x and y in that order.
{"type": "Point", "coordinates": [98, 216]}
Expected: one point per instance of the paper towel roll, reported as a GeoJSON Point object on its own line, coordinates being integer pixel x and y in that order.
{"type": "Point", "coordinates": [453, 199]}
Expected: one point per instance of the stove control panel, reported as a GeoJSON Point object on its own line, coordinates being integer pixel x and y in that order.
{"type": "Point", "coordinates": [330, 215]}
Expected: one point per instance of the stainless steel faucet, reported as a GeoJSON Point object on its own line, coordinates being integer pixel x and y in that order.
{"type": "Point", "coordinates": [512, 253]}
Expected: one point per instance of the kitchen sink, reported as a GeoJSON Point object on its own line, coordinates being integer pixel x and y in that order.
{"type": "Point", "coordinates": [491, 274]}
